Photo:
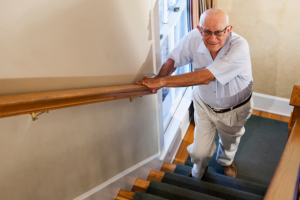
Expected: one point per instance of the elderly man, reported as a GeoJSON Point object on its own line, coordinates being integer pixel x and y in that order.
{"type": "Point", "coordinates": [222, 98]}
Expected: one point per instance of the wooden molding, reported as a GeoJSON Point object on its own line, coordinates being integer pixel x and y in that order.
{"type": "Point", "coordinates": [30, 103]}
{"type": "Point", "coordinates": [295, 98]}
{"type": "Point", "coordinates": [295, 101]}
{"type": "Point", "coordinates": [283, 184]}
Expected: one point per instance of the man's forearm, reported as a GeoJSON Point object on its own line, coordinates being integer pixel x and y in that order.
{"type": "Point", "coordinates": [200, 77]}
{"type": "Point", "coordinates": [167, 69]}
{"type": "Point", "coordinates": [163, 79]}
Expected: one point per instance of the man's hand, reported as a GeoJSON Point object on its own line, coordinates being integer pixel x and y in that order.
{"type": "Point", "coordinates": [153, 83]}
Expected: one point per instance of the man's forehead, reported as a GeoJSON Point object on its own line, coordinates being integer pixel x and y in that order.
{"type": "Point", "coordinates": [214, 25]}
{"type": "Point", "coordinates": [215, 21]}
{"type": "Point", "coordinates": [212, 29]}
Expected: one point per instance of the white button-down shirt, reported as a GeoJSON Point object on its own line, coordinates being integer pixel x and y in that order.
{"type": "Point", "coordinates": [231, 68]}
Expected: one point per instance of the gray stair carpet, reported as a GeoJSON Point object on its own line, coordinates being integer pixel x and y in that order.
{"type": "Point", "coordinates": [144, 196]}
{"type": "Point", "coordinates": [226, 181]}
{"type": "Point", "coordinates": [259, 151]}
{"type": "Point", "coordinates": [211, 189]}
{"type": "Point", "coordinates": [172, 192]}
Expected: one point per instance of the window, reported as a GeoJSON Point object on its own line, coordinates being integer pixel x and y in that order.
{"type": "Point", "coordinates": [173, 27]}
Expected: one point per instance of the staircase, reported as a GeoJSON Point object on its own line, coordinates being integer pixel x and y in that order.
{"type": "Point", "coordinates": [171, 183]}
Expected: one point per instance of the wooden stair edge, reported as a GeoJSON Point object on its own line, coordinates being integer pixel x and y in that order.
{"type": "Point", "coordinates": [140, 185]}
{"type": "Point", "coordinates": [155, 176]}
{"type": "Point", "coordinates": [168, 167]}
{"type": "Point", "coordinates": [179, 161]}
{"type": "Point", "coordinates": [124, 195]}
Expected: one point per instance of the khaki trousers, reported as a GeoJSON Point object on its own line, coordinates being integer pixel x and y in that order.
{"type": "Point", "coordinates": [230, 127]}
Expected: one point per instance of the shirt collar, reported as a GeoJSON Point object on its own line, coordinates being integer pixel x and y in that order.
{"type": "Point", "coordinates": [202, 49]}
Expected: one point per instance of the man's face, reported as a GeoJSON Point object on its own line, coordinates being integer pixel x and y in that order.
{"type": "Point", "coordinates": [212, 24]}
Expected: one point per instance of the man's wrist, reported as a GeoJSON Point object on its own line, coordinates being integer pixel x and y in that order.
{"type": "Point", "coordinates": [162, 82]}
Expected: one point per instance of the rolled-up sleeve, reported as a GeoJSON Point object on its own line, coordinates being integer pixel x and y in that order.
{"type": "Point", "coordinates": [233, 63]}
{"type": "Point", "coordinates": [182, 53]}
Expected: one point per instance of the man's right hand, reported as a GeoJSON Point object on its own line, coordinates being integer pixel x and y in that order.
{"type": "Point", "coordinates": [158, 82]}
{"type": "Point", "coordinates": [153, 83]}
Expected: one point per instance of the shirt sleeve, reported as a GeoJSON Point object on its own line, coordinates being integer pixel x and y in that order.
{"type": "Point", "coordinates": [182, 53]}
{"type": "Point", "coordinates": [233, 63]}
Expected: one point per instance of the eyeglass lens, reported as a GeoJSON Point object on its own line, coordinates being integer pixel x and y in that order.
{"type": "Point", "coordinates": [216, 33]}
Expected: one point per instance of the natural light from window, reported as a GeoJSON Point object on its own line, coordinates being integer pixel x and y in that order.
{"type": "Point", "coordinates": [173, 27]}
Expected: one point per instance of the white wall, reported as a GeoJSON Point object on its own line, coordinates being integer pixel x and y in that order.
{"type": "Point", "coordinates": [56, 45]}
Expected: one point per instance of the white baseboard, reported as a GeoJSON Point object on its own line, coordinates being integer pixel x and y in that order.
{"type": "Point", "coordinates": [272, 104]}
{"type": "Point", "coordinates": [125, 180]}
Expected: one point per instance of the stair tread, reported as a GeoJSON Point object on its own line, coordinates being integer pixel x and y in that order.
{"type": "Point", "coordinates": [213, 165]}
{"type": "Point", "coordinates": [168, 167]}
{"type": "Point", "coordinates": [208, 188]}
{"type": "Point", "coordinates": [124, 195]}
{"type": "Point", "coordinates": [140, 185]}
{"type": "Point", "coordinates": [145, 196]}
{"type": "Point", "coordinates": [155, 175]}
{"type": "Point", "coordinates": [226, 181]}
{"type": "Point", "coordinates": [173, 192]}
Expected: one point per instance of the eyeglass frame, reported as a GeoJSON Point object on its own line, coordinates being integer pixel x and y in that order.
{"type": "Point", "coordinates": [224, 30]}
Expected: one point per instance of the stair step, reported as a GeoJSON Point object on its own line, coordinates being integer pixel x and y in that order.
{"type": "Point", "coordinates": [155, 176]}
{"type": "Point", "coordinates": [124, 195]}
{"type": "Point", "coordinates": [213, 165]}
{"type": "Point", "coordinates": [208, 188]}
{"type": "Point", "coordinates": [145, 196]}
{"type": "Point", "coordinates": [140, 185]}
{"type": "Point", "coordinates": [226, 181]}
{"type": "Point", "coordinates": [188, 163]}
{"type": "Point", "coordinates": [176, 193]}
{"type": "Point", "coordinates": [179, 161]}
{"type": "Point", "coordinates": [168, 167]}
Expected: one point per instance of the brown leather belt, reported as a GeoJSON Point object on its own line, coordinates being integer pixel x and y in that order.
{"type": "Point", "coordinates": [232, 108]}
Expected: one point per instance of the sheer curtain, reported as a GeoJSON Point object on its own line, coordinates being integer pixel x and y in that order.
{"type": "Point", "coordinates": [196, 8]}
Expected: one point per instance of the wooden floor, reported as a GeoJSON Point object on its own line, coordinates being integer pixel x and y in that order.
{"type": "Point", "coordinates": [182, 153]}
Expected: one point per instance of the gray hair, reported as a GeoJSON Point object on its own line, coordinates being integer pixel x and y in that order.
{"type": "Point", "coordinates": [212, 11]}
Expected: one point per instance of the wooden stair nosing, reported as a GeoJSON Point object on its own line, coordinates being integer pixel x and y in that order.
{"type": "Point", "coordinates": [140, 185]}
{"type": "Point", "coordinates": [179, 161]}
{"type": "Point", "coordinates": [125, 195]}
{"type": "Point", "coordinates": [168, 167]}
{"type": "Point", "coordinates": [155, 176]}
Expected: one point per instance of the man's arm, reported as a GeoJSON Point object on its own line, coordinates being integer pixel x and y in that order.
{"type": "Point", "coordinates": [163, 79]}
{"type": "Point", "coordinates": [167, 69]}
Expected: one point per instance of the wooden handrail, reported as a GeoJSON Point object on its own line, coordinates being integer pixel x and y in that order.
{"type": "Point", "coordinates": [283, 184]}
{"type": "Point", "coordinates": [295, 101]}
{"type": "Point", "coordinates": [36, 102]}
{"type": "Point", "coordinates": [285, 180]}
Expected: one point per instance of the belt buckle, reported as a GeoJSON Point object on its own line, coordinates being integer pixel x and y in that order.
{"type": "Point", "coordinates": [217, 110]}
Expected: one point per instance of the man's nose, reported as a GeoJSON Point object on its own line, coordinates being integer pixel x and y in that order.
{"type": "Point", "coordinates": [212, 37]}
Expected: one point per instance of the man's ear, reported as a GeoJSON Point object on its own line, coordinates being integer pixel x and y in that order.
{"type": "Point", "coordinates": [199, 28]}
{"type": "Point", "coordinates": [229, 28]}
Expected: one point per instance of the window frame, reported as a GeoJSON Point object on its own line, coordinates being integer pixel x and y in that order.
{"type": "Point", "coordinates": [170, 21]}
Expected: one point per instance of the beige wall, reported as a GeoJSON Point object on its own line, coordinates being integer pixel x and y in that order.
{"type": "Point", "coordinates": [273, 33]}
{"type": "Point", "coordinates": [56, 45]}
{"type": "Point", "coordinates": [73, 44]}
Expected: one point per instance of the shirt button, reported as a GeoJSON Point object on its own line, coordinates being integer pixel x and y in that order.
{"type": "Point", "coordinates": [214, 91]}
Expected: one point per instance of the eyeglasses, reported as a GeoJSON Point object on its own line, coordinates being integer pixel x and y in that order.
{"type": "Point", "coordinates": [216, 33]}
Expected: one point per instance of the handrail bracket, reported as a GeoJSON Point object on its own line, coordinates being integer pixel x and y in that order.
{"type": "Point", "coordinates": [131, 98]}
{"type": "Point", "coordinates": [35, 115]}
